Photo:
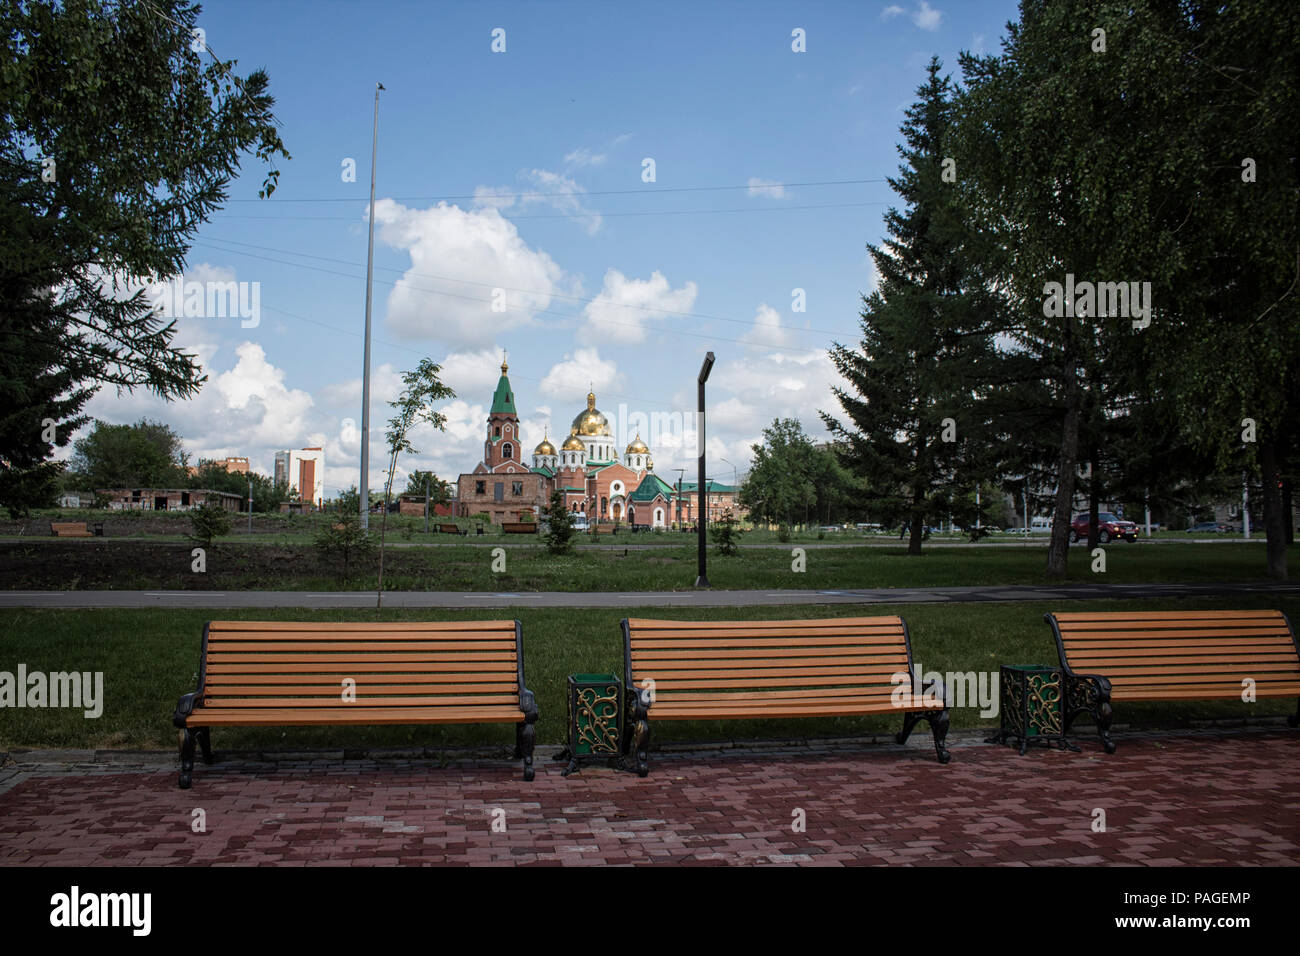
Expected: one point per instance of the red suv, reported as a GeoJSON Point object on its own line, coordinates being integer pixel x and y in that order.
{"type": "Point", "coordinates": [1108, 526]}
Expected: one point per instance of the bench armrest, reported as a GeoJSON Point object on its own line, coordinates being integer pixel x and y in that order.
{"type": "Point", "coordinates": [1086, 691]}
{"type": "Point", "coordinates": [639, 701]}
{"type": "Point", "coordinates": [184, 707]}
{"type": "Point", "coordinates": [528, 704]}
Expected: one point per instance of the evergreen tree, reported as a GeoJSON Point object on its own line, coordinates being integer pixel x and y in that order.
{"type": "Point", "coordinates": [917, 427]}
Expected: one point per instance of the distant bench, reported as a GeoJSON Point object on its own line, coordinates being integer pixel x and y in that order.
{"type": "Point", "coordinates": [74, 529]}
{"type": "Point", "coordinates": [600, 529]}
{"type": "Point", "coordinates": [293, 674]}
{"type": "Point", "coordinates": [450, 529]}
{"type": "Point", "coordinates": [834, 667]}
{"type": "Point", "coordinates": [519, 527]}
{"type": "Point", "coordinates": [1172, 655]}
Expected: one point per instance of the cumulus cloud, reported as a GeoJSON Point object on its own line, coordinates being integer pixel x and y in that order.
{"type": "Point", "coordinates": [485, 252]}
{"type": "Point", "coordinates": [765, 187]}
{"type": "Point", "coordinates": [585, 157]}
{"type": "Point", "coordinates": [584, 369]}
{"type": "Point", "coordinates": [623, 308]}
{"type": "Point", "coordinates": [926, 17]}
{"type": "Point", "coordinates": [767, 330]}
{"type": "Point", "coordinates": [891, 11]}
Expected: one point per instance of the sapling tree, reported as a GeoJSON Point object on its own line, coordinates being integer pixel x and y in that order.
{"type": "Point", "coordinates": [414, 406]}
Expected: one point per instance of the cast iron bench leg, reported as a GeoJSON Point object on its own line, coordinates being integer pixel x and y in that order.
{"type": "Point", "coordinates": [1089, 693]}
{"type": "Point", "coordinates": [938, 721]}
{"type": "Point", "coordinates": [204, 737]}
{"type": "Point", "coordinates": [187, 758]}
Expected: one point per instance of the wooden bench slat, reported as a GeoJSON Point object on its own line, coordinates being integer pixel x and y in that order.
{"type": "Point", "coordinates": [226, 647]}
{"type": "Point", "coordinates": [748, 661]}
{"type": "Point", "coordinates": [650, 625]}
{"type": "Point", "coordinates": [802, 692]}
{"type": "Point", "coordinates": [361, 629]}
{"type": "Point", "coordinates": [848, 640]}
{"type": "Point", "coordinates": [364, 700]}
{"type": "Point", "coordinates": [647, 657]}
{"type": "Point", "coordinates": [352, 714]}
{"type": "Point", "coordinates": [354, 669]}
{"type": "Point", "coordinates": [1235, 660]}
{"type": "Point", "coordinates": [255, 680]}
{"type": "Point", "coordinates": [1234, 636]}
{"type": "Point", "coordinates": [1225, 693]}
{"type": "Point", "coordinates": [364, 657]}
{"type": "Point", "coordinates": [1118, 617]}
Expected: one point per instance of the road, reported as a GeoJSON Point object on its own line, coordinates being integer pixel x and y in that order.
{"type": "Point", "coordinates": [624, 599]}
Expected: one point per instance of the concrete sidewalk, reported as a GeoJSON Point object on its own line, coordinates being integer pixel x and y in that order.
{"type": "Point", "coordinates": [1194, 798]}
{"type": "Point", "coordinates": [625, 599]}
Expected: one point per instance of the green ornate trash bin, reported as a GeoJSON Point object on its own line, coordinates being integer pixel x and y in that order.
{"type": "Point", "coordinates": [595, 719]}
{"type": "Point", "coordinates": [1031, 706]}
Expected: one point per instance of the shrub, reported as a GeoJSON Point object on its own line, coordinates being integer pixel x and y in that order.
{"type": "Point", "coordinates": [559, 530]}
{"type": "Point", "coordinates": [343, 541]}
{"type": "Point", "coordinates": [209, 522]}
{"type": "Point", "coordinates": [726, 535]}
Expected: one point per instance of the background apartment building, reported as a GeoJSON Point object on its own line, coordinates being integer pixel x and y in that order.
{"type": "Point", "coordinates": [303, 470]}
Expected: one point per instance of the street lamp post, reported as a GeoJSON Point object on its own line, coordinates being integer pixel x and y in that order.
{"type": "Point", "coordinates": [703, 519]}
{"type": "Point", "coordinates": [365, 377]}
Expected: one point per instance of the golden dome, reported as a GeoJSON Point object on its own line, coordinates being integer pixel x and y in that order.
{"type": "Point", "coordinates": [573, 443]}
{"type": "Point", "coordinates": [591, 421]}
{"type": "Point", "coordinates": [545, 448]}
{"type": "Point", "coordinates": [638, 447]}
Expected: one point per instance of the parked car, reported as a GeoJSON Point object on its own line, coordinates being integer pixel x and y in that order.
{"type": "Point", "coordinates": [1208, 527]}
{"type": "Point", "coordinates": [1108, 526]}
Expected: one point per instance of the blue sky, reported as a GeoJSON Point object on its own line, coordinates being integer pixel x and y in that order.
{"type": "Point", "coordinates": [522, 171]}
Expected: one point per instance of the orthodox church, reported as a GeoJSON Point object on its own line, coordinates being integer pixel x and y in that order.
{"type": "Point", "coordinates": [587, 469]}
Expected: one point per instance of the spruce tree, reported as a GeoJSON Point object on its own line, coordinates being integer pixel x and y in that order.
{"type": "Point", "coordinates": [917, 383]}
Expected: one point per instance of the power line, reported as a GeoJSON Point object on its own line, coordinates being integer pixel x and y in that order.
{"type": "Point", "coordinates": [658, 190]}
{"type": "Point", "coordinates": [489, 285]}
{"type": "Point", "coordinates": [591, 215]}
{"type": "Point", "coordinates": [469, 298]}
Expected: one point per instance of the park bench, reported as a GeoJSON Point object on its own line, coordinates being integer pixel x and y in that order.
{"type": "Point", "coordinates": [69, 529]}
{"type": "Point", "coordinates": [600, 529]}
{"type": "Point", "coordinates": [294, 674]}
{"type": "Point", "coordinates": [1120, 656]}
{"type": "Point", "coordinates": [712, 670]}
{"type": "Point", "coordinates": [519, 527]}
{"type": "Point", "coordinates": [451, 529]}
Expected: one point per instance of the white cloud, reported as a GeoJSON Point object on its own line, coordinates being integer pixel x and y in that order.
{"type": "Point", "coordinates": [479, 247]}
{"type": "Point", "coordinates": [547, 188]}
{"type": "Point", "coordinates": [624, 306]}
{"type": "Point", "coordinates": [926, 17]}
{"type": "Point", "coordinates": [585, 157]}
{"type": "Point", "coordinates": [582, 370]}
{"type": "Point", "coordinates": [767, 330]}
{"type": "Point", "coordinates": [472, 373]}
{"type": "Point", "coordinates": [765, 187]}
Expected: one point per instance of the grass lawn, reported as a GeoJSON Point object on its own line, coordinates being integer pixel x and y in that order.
{"type": "Point", "coordinates": [132, 565]}
{"type": "Point", "coordinates": [150, 657]}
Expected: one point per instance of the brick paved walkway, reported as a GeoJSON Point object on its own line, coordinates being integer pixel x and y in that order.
{"type": "Point", "coordinates": [1194, 798]}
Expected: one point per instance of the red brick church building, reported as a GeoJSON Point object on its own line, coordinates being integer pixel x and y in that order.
{"type": "Point", "coordinates": [587, 469]}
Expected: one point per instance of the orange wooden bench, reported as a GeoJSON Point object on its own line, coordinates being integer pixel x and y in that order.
{"type": "Point", "coordinates": [451, 529]}
{"type": "Point", "coordinates": [69, 529]}
{"type": "Point", "coordinates": [288, 673]}
{"type": "Point", "coordinates": [519, 527]}
{"type": "Point", "coordinates": [1118, 656]}
{"type": "Point", "coordinates": [710, 670]}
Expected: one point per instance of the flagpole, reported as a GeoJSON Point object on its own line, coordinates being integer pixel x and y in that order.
{"type": "Point", "coordinates": [365, 377]}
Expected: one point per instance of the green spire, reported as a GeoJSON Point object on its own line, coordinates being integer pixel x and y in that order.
{"type": "Point", "coordinates": [503, 399]}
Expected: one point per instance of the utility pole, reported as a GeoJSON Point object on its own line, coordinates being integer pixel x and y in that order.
{"type": "Point", "coordinates": [1245, 505]}
{"type": "Point", "coordinates": [250, 508]}
{"type": "Point", "coordinates": [365, 376]}
{"type": "Point", "coordinates": [426, 505]}
{"type": "Point", "coordinates": [703, 580]}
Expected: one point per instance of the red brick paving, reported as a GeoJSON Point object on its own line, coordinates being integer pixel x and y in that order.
{"type": "Point", "coordinates": [1219, 799]}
